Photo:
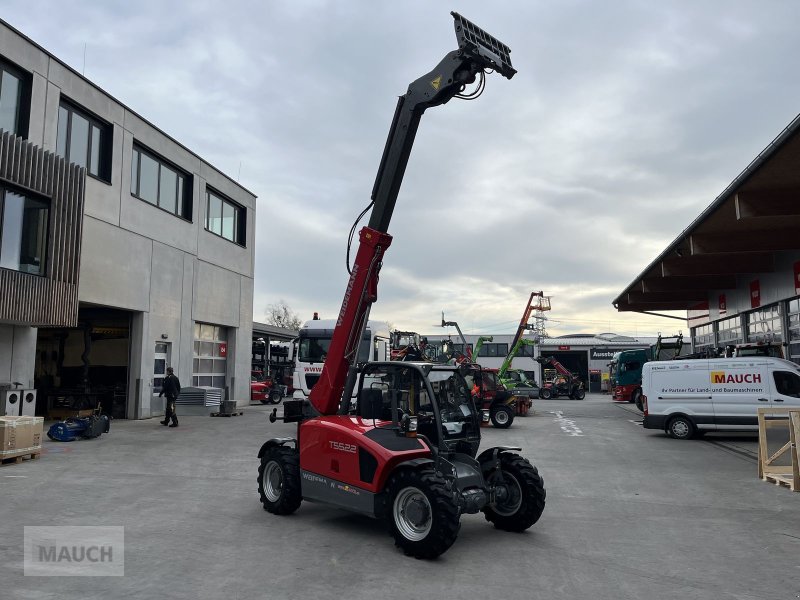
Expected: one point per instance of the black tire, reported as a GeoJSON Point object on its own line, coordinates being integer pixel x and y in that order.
{"type": "Point", "coordinates": [279, 480]}
{"type": "Point", "coordinates": [502, 417]}
{"type": "Point", "coordinates": [437, 514]}
{"type": "Point", "coordinates": [579, 394]}
{"type": "Point", "coordinates": [545, 393]}
{"type": "Point", "coordinates": [526, 500]}
{"type": "Point", "coordinates": [636, 398]}
{"type": "Point", "coordinates": [681, 428]}
{"type": "Point", "coordinates": [275, 397]}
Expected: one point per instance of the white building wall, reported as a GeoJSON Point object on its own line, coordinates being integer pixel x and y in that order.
{"type": "Point", "coordinates": [168, 271]}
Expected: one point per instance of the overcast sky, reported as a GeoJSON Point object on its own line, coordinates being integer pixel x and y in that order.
{"type": "Point", "coordinates": [625, 120]}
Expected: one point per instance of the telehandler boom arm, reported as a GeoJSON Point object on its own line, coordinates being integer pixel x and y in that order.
{"type": "Point", "coordinates": [477, 51]}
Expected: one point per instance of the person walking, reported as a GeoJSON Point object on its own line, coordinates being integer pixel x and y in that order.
{"type": "Point", "coordinates": [171, 388]}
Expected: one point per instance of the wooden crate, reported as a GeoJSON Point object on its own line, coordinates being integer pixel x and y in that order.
{"type": "Point", "coordinates": [783, 418]}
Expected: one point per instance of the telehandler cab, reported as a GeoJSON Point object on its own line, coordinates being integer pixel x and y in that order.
{"type": "Point", "coordinates": [407, 449]}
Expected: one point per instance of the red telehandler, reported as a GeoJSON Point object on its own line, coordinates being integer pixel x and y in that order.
{"type": "Point", "coordinates": [406, 450]}
{"type": "Point", "coordinates": [566, 383]}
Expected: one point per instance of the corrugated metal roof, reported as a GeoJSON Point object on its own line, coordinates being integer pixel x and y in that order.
{"type": "Point", "coordinates": [597, 341]}
{"type": "Point", "coordinates": [272, 330]}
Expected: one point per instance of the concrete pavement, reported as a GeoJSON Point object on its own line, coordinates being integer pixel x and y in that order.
{"type": "Point", "coordinates": [630, 514]}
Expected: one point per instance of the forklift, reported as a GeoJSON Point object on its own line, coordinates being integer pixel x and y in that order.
{"type": "Point", "coordinates": [407, 449]}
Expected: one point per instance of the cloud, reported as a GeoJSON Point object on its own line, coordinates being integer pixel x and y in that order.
{"type": "Point", "coordinates": [624, 122]}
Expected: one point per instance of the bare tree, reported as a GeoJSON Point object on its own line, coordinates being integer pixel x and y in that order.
{"type": "Point", "coordinates": [280, 315]}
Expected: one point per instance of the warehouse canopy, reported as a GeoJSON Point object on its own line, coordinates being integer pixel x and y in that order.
{"type": "Point", "coordinates": [757, 216]}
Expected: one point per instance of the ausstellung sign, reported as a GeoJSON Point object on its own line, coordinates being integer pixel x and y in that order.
{"type": "Point", "coordinates": [601, 353]}
{"type": "Point", "coordinates": [608, 353]}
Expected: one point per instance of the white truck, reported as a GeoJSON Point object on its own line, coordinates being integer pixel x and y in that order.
{"type": "Point", "coordinates": [315, 340]}
{"type": "Point", "coordinates": [686, 398]}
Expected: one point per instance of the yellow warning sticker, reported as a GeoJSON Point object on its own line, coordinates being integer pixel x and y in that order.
{"type": "Point", "coordinates": [437, 82]}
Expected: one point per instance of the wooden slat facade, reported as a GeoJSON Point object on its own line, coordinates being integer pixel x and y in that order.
{"type": "Point", "coordinates": [52, 299]}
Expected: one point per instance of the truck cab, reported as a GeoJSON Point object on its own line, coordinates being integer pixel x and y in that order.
{"type": "Point", "coordinates": [313, 344]}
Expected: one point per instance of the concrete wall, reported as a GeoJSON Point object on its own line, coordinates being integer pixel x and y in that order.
{"type": "Point", "coordinates": [169, 271]}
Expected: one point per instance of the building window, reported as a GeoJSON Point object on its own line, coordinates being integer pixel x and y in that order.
{"type": "Point", "coordinates": [225, 218]}
{"type": "Point", "coordinates": [729, 331]}
{"type": "Point", "coordinates": [23, 232]}
{"type": "Point", "coordinates": [494, 350]}
{"type": "Point", "coordinates": [210, 355]}
{"type": "Point", "coordinates": [84, 140]}
{"type": "Point", "coordinates": [14, 99]}
{"type": "Point", "coordinates": [459, 348]}
{"type": "Point", "coordinates": [764, 325]}
{"type": "Point", "coordinates": [160, 183]}
{"type": "Point", "coordinates": [703, 337]}
{"type": "Point", "coordinates": [527, 350]}
{"type": "Point", "coordinates": [794, 330]}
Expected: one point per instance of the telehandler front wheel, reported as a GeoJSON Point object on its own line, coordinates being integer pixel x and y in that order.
{"type": "Point", "coordinates": [522, 502]}
{"type": "Point", "coordinates": [423, 516]}
{"type": "Point", "coordinates": [279, 480]}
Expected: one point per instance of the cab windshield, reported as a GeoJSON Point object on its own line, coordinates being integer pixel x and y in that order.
{"type": "Point", "coordinates": [314, 346]}
{"type": "Point", "coordinates": [404, 388]}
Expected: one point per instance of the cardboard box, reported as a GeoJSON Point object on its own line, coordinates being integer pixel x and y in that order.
{"type": "Point", "coordinates": [37, 429]}
{"type": "Point", "coordinates": [29, 433]}
{"type": "Point", "coordinates": [9, 434]}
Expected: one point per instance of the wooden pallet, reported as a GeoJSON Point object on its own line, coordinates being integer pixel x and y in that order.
{"type": "Point", "coordinates": [18, 458]}
{"type": "Point", "coordinates": [233, 414]}
{"type": "Point", "coordinates": [778, 479]}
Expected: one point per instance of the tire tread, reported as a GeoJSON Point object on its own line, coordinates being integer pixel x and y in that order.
{"type": "Point", "coordinates": [534, 495]}
{"type": "Point", "coordinates": [446, 512]}
{"type": "Point", "coordinates": [290, 499]}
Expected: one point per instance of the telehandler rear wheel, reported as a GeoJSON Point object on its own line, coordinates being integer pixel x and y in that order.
{"type": "Point", "coordinates": [279, 480]}
{"type": "Point", "coordinates": [423, 516]}
{"type": "Point", "coordinates": [525, 495]}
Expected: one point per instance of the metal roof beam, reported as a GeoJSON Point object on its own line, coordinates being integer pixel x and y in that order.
{"type": "Point", "coordinates": [689, 283]}
{"type": "Point", "coordinates": [650, 306]}
{"type": "Point", "coordinates": [719, 264]}
{"type": "Point", "coordinates": [677, 296]}
{"type": "Point", "coordinates": [762, 240]}
{"type": "Point", "coordinates": [767, 203]}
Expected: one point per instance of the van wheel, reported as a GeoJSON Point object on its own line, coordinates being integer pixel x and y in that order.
{"type": "Point", "coordinates": [680, 428]}
{"type": "Point", "coordinates": [636, 398]}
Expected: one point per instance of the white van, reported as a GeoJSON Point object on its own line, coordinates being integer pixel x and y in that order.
{"type": "Point", "coordinates": [689, 397]}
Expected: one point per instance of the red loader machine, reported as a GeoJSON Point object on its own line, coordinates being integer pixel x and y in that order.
{"type": "Point", "coordinates": [407, 449]}
{"type": "Point", "coordinates": [566, 382]}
